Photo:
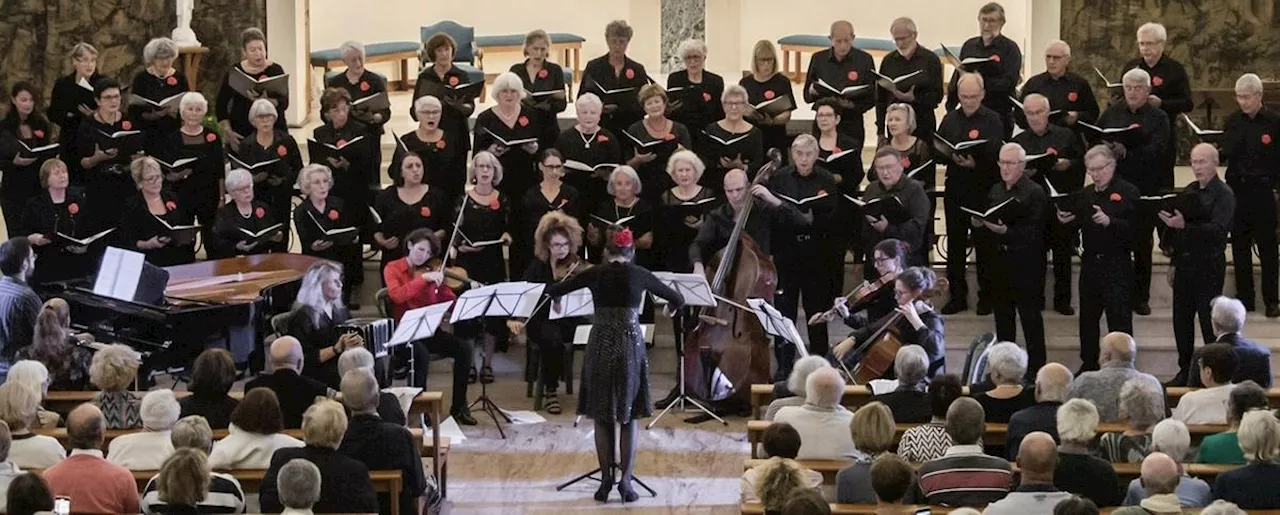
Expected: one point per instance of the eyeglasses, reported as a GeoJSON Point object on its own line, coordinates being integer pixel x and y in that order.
{"type": "Point", "coordinates": [560, 245]}
{"type": "Point", "coordinates": [553, 167]}
{"type": "Point", "coordinates": [110, 97]}
{"type": "Point", "coordinates": [734, 103]}
{"type": "Point", "coordinates": [1005, 162]}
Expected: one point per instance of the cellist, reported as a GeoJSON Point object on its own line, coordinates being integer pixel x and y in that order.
{"type": "Point", "coordinates": [914, 323]}
{"type": "Point", "coordinates": [874, 299]}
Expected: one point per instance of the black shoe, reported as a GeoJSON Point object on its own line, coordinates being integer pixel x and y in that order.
{"type": "Point", "coordinates": [1064, 307]}
{"type": "Point", "coordinates": [628, 494]}
{"type": "Point", "coordinates": [602, 493]}
{"type": "Point", "coordinates": [1142, 308]}
{"type": "Point", "coordinates": [471, 376]}
{"type": "Point", "coordinates": [983, 309]}
{"type": "Point", "coordinates": [955, 306]}
{"type": "Point", "coordinates": [463, 417]}
{"type": "Point", "coordinates": [666, 401]}
{"type": "Point", "coordinates": [1086, 367]}
{"type": "Point", "coordinates": [1178, 380]}
{"type": "Point", "coordinates": [1273, 310]}
{"type": "Point", "coordinates": [1249, 307]}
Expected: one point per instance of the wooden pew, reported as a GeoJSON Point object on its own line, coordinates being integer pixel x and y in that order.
{"type": "Point", "coordinates": [1125, 471]}
{"type": "Point", "coordinates": [870, 509]}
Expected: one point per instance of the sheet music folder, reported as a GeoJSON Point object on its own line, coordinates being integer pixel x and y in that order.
{"type": "Point", "coordinates": [513, 299]}
{"type": "Point", "coordinates": [419, 324]}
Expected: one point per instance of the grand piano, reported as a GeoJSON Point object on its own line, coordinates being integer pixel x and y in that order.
{"type": "Point", "coordinates": [224, 303]}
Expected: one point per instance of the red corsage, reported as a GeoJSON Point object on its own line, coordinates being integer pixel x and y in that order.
{"type": "Point", "coordinates": [281, 151]}
{"type": "Point", "coordinates": [853, 75]}
{"type": "Point", "coordinates": [523, 121]}
{"type": "Point", "coordinates": [440, 144]}
{"type": "Point", "coordinates": [453, 81]}
{"type": "Point", "coordinates": [211, 137]}
{"type": "Point", "coordinates": [364, 85]}
{"type": "Point", "coordinates": [906, 161]}
{"type": "Point", "coordinates": [1072, 96]}
{"type": "Point", "coordinates": [126, 125]}
{"type": "Point", "coordinates": [171, 205]}
{"type": "Point", "coordinates": [706, 97]}
{"type": "Point", "coordinates": [341, 143]}
{"type": "Point", "coordinates": [822, 192]}
{"type": "Point", "coordinates": [769, 94]}
{"type": "Point", "coordinates": [1115, 197]}
{"type": "Point", "coordinates": [1157, 81]}
{"type": "Point", "coordinates": [835, 150]}
{"type": "Point", "coordinates": [495, 204]}
{"type": "Point", "coordinates": [601, 138]}
{"type": "Point", "coordinates": [542, 74]}
{"type": "Point", "coordinates": [668, 136]}
{"type": "Point", "coordinates": [623, 239]}
{"type": "Point", "coordinates": [260, 212]}
{"type": "Point", "coordinates": [973, 134]}
{"type": "Point", "coordinates": [38, 133]}
{"type": "Point", "coordinates": [172, 81]}
{"type": "Point", "coordinates": [1266, 139]}
{"type": "Point", "coordinates": [631, 74]}
{"type": "Point", "coordinates": [995, 57]}
{"type": "Point", "coordinates": [262, 76]}
{"type": "Point", "coordinates": [73, 208]}
{"type": "Point", "coordinates": [1051, 150]}
{"type": "Point", "coordinates": [1135, 125]}
{"type": "Point", "coordinates": [333, 214]}
{"type": "Point", "coordinates": [425, 212]}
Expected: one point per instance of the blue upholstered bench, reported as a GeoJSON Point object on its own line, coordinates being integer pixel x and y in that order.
{"type": "Point", "coordinates": [569, 44]}
{"type": "Point", "coordinates": [401, 51]}
{"type": "Point", "coordinates": [799, 44]}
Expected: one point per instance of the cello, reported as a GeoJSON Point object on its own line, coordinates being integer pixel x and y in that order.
{"type": "Point", "coordinates": [880, 348]}
{"type": "Point", "coordinates": [728, 338]}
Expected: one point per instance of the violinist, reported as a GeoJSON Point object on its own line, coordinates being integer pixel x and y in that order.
{"type": "Point", "coordinates": [913, 322]}
{"type": "Point", "coordinates": [408, 205]}
{"type": "Point", "coordinates": [412, 284]}
{"type": "Point", "coordinates": [485, 229]}
{"type": "Point", "coordinates": [907, 223]}
{"type": "Point", "coordinates": [556, 242]}
{"type": "Point", "coordinates": [874, 298]}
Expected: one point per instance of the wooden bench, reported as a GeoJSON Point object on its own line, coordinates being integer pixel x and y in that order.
{"type": "Point", "coordinates": [870, 509]}
{"type": "Point", "coordinates": [1124, 471]}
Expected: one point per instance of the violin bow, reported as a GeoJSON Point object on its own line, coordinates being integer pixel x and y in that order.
{"type": "Point", "coordinates": [457, 228]}
{"type": "Point", "coordinates": [546, 297]}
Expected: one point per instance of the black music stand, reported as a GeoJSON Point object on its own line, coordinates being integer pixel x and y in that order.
{"type": "Point", "coordinates": [418, 324]}
{"type": "Point", "coordinates": [696, 292]}
{"type": "Point", "coordinates": [506, 300]}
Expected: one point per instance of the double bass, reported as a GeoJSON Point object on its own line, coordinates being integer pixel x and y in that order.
{"type": "Point", "coordinates": [727, 337]}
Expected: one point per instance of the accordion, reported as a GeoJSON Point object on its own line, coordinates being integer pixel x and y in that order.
{"type": "Point", "coordinates": [375, 331]}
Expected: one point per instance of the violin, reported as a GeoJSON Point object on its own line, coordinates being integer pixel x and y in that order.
{"type": "Point", "coordinates": [857, 299]}
{"type": "Point", "coordinates": [880, 349]}
{"type": "Point", "coordinates": [455, 277]}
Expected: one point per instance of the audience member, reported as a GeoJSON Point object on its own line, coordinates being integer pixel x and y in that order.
{"type": "Point", "coordinates": [299, 486]}
{"type": "Point", "coordinates": [148, 449]}
{"type": "Point", "coordinates": [254, 434]}
{"type": "Point", "coordinates": [781, 442]}
{"type": "Point", "coordinates": [1141, 406]}
{"type": "Point", "coordinates": [114, 369]}
{"type": "Point", "coordinates": [1160, 478]}
{"type": "Point", "coordinates": [806, 501]}
{"type": "Point", "coordinates": [388, 404]}
{"type": "Point", "coordinates": [873, 435]}
{"type": "Point", "coordinates": [381, 445]}
{"type": "Point", "coordinates": [183, 482]}
{"type": "Point", "coordinates": [1078, 470]}
{"type": "Point", "coordinates": [349, 489]}
{"type": "Point", "coordinates": [28, 495]}
{"type": "Point", "coordinates": [93, 484]}
{"type": "Point", "coordinates": [1102, 387]}
{"type": "Point", "coordinates": [1036, 493]}
{"type": "Point", "coordinates": [1052, 381]}
{"type": "Point", "coordinates": [964, 475]}
{"type": "Point", "coordinates": [1208, 405]}
{"type": "Point", "coordinates": [1224, 448]}
{"type": "Point", "coordinates": [35, 375]}
{"type": "Point", "coordinates": [58, 349]}
{"type": "Point", "coordinates": [294, 391]}
{"type": "Point", "coordinates": [18, 303]}
{"type": "Point", "coordinates": [1006, 364]}
{"type": "Point", "coordinates": [1221, 507]}
{"type": "Point", "coordinates": [891, 480]}
{"type": "Point", "coordinates": [8, 469]}
{"type": "Point", "coordinates": [18, 406]}
{"type": "Point", "coordinates": [791, 392]}
{"type": "Point", "coordinates": [822, 422]}
{"type": "Point", "coordinates": [224, 492]}
{"type": "Point", "coordinates": [1076, 505]}
{"type": "Point", "coordinates": [929, 441]}
{"type": "Point", "coordinates": [1254, 359]}
{"type": "Point", "coordinates": [778, 482]}
{"type": "Point", "coordinates": [212, 376]}
{"type": "Point", "coordinates": [1253, 486]}
{"type": "Point", "coordinates": [1172, 438]}
{"type": "Point", "coordinates": [910, 401]}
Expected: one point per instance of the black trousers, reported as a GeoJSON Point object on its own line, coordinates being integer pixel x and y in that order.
{"type": "Point", "coordinates": [450, 346]}
{"type": "Point", "coordinates": [1106, 287]}
{"type": "Point", "coordinates": [959, 234]}
{"type": "Point", "coordinates": [1060, 241]}
{"type": "Point", "coordinates": [1255, 224]}
{"type": "Point", "coordinates": [551, 339]}
{"type": "Point", "coordinates": [804, 278]}
{"type": "Point", "coordinates": [1144, 225]}
{"type": "Point", "coordinates": [1197, 279]}
{"type": "Point", "coordinates": [1015, 294]}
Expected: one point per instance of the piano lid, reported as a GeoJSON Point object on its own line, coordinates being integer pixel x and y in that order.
{"type": "Point", "coordinates": [234, 280]}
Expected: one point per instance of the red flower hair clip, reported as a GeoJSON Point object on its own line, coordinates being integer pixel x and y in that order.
{"type": "Point", "coordinates": [623, 239]}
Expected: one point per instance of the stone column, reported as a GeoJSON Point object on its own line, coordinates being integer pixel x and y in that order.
{"type": "Point", "coordinates": [681, 20]}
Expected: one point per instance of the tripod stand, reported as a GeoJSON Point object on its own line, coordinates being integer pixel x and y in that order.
{"type": "Point", "coordinates": [488, 406]}
{"type": "Point", "coordinates": [678, 323]}
{"type": "Point", "coordinates": [616, 469]}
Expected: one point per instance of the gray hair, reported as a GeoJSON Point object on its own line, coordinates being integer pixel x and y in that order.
{"type": "Point", "coordinates": [907, 110]}
{"type": "Point", "coordinates": [966, 421]}
{"type": "Point", "coordinates": [618, 28]}
{"type": "Point", "coordinates": [360, 391]}
{"type": "Point", "coordinates": [910, 365]}
{"type": "Point", "coordinates": [1066, 49]}
{"type": "Point", "coordinates": [262, 107]}
{"type": "Point", "coordinates": [305, 176]}
{"type": "Point", "coordinates": [1228, 315]}
{"type": "Point", "coordinates": [159, 48]}
{"type": "Point", "coordinates": [904, 21]}
{"type": "Point", "coordinates": [1100, 152]}
{"type": "Point", "coordinates": [800, 371]}
{"type": "Point", "coordinates": [323, 424]}
{"type": "Point", "coordinates": [358, 358]}
{"type": "Point", "coordinates": [823, 387]}
{"type": "Point", "coordinates": [1259, 436]}
{"type": "Point", "coordinates": [1035, 97]}
{"type": "Point", "coordinates": [689, 157]}
{"type": "Point", "coordinates": [627, 171]}
{"type": "Point", "coordinates": [193, 432]}
{"type": "Point", "coordinates": [1221, 507]}
{"type": "Point", "coordinates": [691, 46]}
{"type": "Point", "coordinates": [299, 484]}
{"type": "Point", "coordinates": [31, 373]}
{"type": "Point", "coordinates": [193, 98]}
{"type": "Point", "coordinates": [1249, 82]}
{"type": "Point", "coordinates": [6, 440]}
{"type": "Point", "coordinates": [237, 178]}
{"type": "Point", "coordinates": [588, 100]}
{"type": "Point", "coordinates": [81, 49]}
{"type": "Point", "coordinates": [1077, 421]}
{"type": "Point", "coordinates": [423, 102]}
{"type": "Point", "coordinates": [159, 410]}
{"type": "Point", "coordinates": [507, 81]}
{"type": "Point", "coordinates": [805, 141]}
{"type": "Point", "coordinates": [1171, 437]}
{"type": "Point", "coordinates": [1141, 403]}
{"type": "Point", "coordinates": [1022, 152]}
{"type": "Point", "coordinates": [489, 158]}
{"type": "Point", "coordinates": [971, 76]}
{"type": "Point", "coordinates": [734, 90]}
{"type": "Point", "coordinates": [349, 46]}
{"type": "Point", "coordinates": [1137, 76]}
{"type": "Point", "coordinates": [1155, 29]}
{"type": "Point", "coordinates": [1006, 362]}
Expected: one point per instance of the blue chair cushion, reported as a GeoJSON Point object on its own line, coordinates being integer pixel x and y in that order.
{"type": "Point", "coordinates": [568, 74]}
{"type": "Point", "coordinates": [954, 50]}
{"type": "Point", "coordinates": [815, 40]}
{"type": "Point", "coordinates": [473, 74]}
{"type": "Point", "coordinates": [321, 57]}
{"type": "Point", "coordinates": [463, 36]}
{"type": "Point", "coordinates": [518, 39]}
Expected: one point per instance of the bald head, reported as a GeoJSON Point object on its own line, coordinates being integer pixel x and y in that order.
{"type": "Point", "coordinates": [85, 427]}
{"type": "Point", "coordinates": [1052, 381]}
{"type": "Point", "coordinates": [1037, 457]}
{"type": "Point", "coordinates": [1160, 474]}
{"type": "Point", "coordinates": [1118, 346]}
{"type": "Point", "coordinates": [286, 353]}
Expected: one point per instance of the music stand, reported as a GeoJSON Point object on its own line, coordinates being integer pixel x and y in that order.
{"type": "Point", "coordinates": [418, 324]}
{"type": "Point", "coordinates": [696, 292]}
{"type": "Point", "coordinates": [777, 324]}
{"type": "Point", "coordinates": [506, 300]}
{"type": "Point", "coordinates": [575, 304]}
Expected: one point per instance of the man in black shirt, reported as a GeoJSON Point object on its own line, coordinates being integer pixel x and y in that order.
{"type": "Point", "coordinates": [1019, 238]}
{"type": "Point", "coordinates": [1068, 93]}
{"type": "Point", "coordinates": [968, 180]}
{"type": "Point", "coordinates": [838, 68]}
{"type": "Point", "coordinates": [1199, 239]}
{"type": "Point", "coordinates": [1002, 69]}
{"type": "Point", "coordinates": [1252, 167]}
{"type": "Point", "coordinates": [295, 392]}
{"type": "Point", "coordinates": [380, 445]}
{"type": "Point", "coordinates": [904, 191]}
{"type": "Point", "coordinates": [923, 91]}
{"type": "Point", "coordinates": [1170, 90]}
{"type": "Point", "coordinates": [1059, 172]}
{"type": "Point", "coordinates": [715, 230]}
{"type": "Point", "coordinates": [1139, 158]}
{"type": "Point", "coordinates": [1105, 214]}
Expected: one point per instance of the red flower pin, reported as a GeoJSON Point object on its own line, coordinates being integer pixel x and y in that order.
{"type": "Point", "coordinates": [1115, 197]}
{"type": "Point", "coordinates": [262, 76]}
{"type": "Point", "coordinates": [333, 214]}
{"type": "Point", "coordinates": [1157, 81]}
{"type": "Point", "coordinates": [973, 133]}
{"type": "Point", "coordinates": [769, 94]}
{"type": "Point", "coordinates": [542, 74]}
{"type": "Point", "coordinates": [1073, 96]}
{"type": "Point", "coordinates": [425, 212]}
{"type": "Point", "coordinates": [835, 150]}
{"type": "Point", "coordinates": [853, 75]}
{"type": "Point", "coordinates": [495, 204]}
{"type": "Point", "coordinates": [706, 97]}
{"type": "Point", "coordinates": [73, 208]}
{"type": "Point", "coordinates": [38, 133]}
{"type": "Point", "coordinates": [995, 57]}
{"type": "Point", "coordinates": [440, 144]}
{"type": "Point", "coordinates": [211, 137]}
{"type": "Point", "coordinates": [822, 192]}
{"type": "Point", "coordinates": [126, 125]}
{"type": "Point", "coordinates": [170, 205]}
{"type": "Point", "coordinates": [523, 121]}
{"type": "Point", "coordinates": [601, 138]}
{"type": "Point", "coordinates": [623, 238]}
{"type": "Point", "coordinates": [668, 136]}
{"type": "Point", "coordinates": [172, 81]}
{"type": "Point", "coordinates": [906, 162]}
{"type": "Point", "coordinates": [260, 212]}
{"type": "Point", "coordinates": [631, 74]}
{"type": "Point", "coordinates": [1266, 139]}
{"type": "Point", "coordinates": [453, 81]}
{"type": "Point", "coordinates": [281, 151]}
{"type": "Point", "coordinates": [1051, 150]}
{"type": "Point", "coordinates": [1134, 125]}
{"type": "Point", "coordinates": [341, 143]}
{"type": "Point", "coordinates": [364, 85]}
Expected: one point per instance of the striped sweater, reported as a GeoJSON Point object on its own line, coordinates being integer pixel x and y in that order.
{"type": "Point", "coordinates": [964, 476]}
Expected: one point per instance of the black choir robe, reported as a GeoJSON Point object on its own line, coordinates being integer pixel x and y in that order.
{"type": "Point", "coordinates": [20, 183]}
{"type": "Point", "coordinates": [227, 231]}
{"type": "Point", "coordinates": [484, 223]}
{"type": "Point", "coordinates": [234, 107]}
{"type": "Point", "coordinates": [915, 201]}
{"type": "Point", "coordinates": [353, 183]}
{"type": "Point", "coordinates": [695, 105]}
{"type": "Point", "coordinates": [55, 262]}
{"type": "Point", "coordinates": [1170, 82]}
{"type": "Point", "coordinates": [273, 184]}
{"type": "Point", "coordinates": [110, 180]}
{"type": "Point", "coordinates": [999, 75]}
{"type": "Point", "coordinates": [64, 110]}
{"type": "Point", "coordinates": [678, 223]}
{"type": "Point", "coordinates": [199, 190]}
{"type": "Point", "coordinates": [775, 136]}
{"type": "Point", "coordinates": [599, 76]}
{"type": "Point", "coordinates": [1062, 143]}
{"type": "Point", "coordinates": [549, 79]}
{"type": "Point", "coordinates": [596, 148]}
{"type": "Point", "coordinates": [748, 145]}
{"type": "Point", "coordinates": [854, 70]}
{"type": "Point", "coordinates": [845, 169]}
{"type": "Point", "coordinates": [369, 84]}
{"type": "Point", "coordinates": [455, 108]}
{"type": "Point", "coordinates": [970, 185]}
{"type": "Point", "coordinates": [444, 160]}
{"type": "Point", "coordinates": [1145, 164]}
{"type": "Point", "coordinates": [928, 88]}
{"type": "Point", "coordinates": [156, 89]}
{"type": "Point", "coordinates": [400, 218]}
{"type": "Point", "coordinates": [519, 168]}
{"type": "Point", "coordinates": [139, 224]}
{"type": "Point", "coordinates": [1070, 92]}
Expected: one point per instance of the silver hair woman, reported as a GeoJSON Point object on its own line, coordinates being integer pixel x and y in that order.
{"type": "Point", "coordinates": [158, 82]}
{"type": "Point", "coordinates": [513, 132]}
{"type": "Point", "coordinates": [1006, 366]}
{"type": "Point", "coordinates": [486, 218]}
{"type": "Point", "coordinates": [114, 369]}
{"type": "Point", "coordinates": [1141, 407]}
{"type": "Point", "coordinates": [239, 224]}
{"type": "Point", "coordinates": [70, 100]}
{"type": "Point", "coordinates": [328, 227]}
{"type": "Point", "coordinates": [316, 314]}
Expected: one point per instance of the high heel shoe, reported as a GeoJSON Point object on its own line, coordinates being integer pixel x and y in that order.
{"type": "Point", "coordinates": [602, 493]}
{"type": "Point", "coordinates": [628, 494]}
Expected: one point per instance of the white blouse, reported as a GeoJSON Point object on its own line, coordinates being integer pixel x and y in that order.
{"type": "Point", "coordinates": [244, 450]}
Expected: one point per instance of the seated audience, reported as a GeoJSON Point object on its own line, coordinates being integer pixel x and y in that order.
{"type": "Point", "coordinates": [781, 442]}
{"type": "Point", "coordinates": [183, 482]}
{"type": "Point", "coordinates": [964, 475]}
{"type": "Point", "coordinates": [805, 501]}
{"type": "Point", "coordinates": [1036, 493]}
{"type": "Point", "coordinates": [822, 422]}
{"type": "Point", "coordinates": [57, 348]}
{"type": "Point", "coordinates": [349, 487]}
{"type": "Point", "coordinates": [1221, 507]}
{"type": "Point", "coordinates": [1102, 387]}
{"type": "Point", "coordinates": [1208, 405]}
{"type": "Point", "coordinates": [149, 448]}
{"type": "Point", "coordinates": [114, 369]}
{"type": "Point", "coordinates": [910, 401]}
{"type": "Point", "coordinates": [28, 495]}
{"type": "Point", "coordinates": [873, 435]}
{"type": "Point", "coordinates": [18, 406]}
{"type": "Point", "coordinates": [381, 445]}
{"type": "Point", "coordinates": [1172, 438]}
{"type": "Point", "coordinates": [224, 493]}
{"type": "Point", "coordinates": [1052, 381]}
{"type": "Point", "coordinates": [1078, 470]}
{"type": "Point", "coordinates": [294, 391]}
{"type": "Point", "coordinates": [35, 376]}
{"type": "Point", "coordinates": [360, 358]}
{"type": "Point", "coordinates": [299, 486]}
{"type": "Point", "coordinates": [778, 481]}
{"type": "Point", "coordinates": [8, 469]}
{"type": "Point", "coordinates": [254, 434]}
{"type": "Point", "coordinates": [791, 392]}
{"type": "Point", "coordinates": [1076, 506]}
{"type": "Point", "coordinates": [891, 479]}
{"type": "Point", "coordinates": [20, 305]}
{"type": "Point", "coordinates": [1141, 406]}
{"type": "Point", "coordinates": [1253, 486]}
{"type": "Point", "coordinates": [1006, 364]}
{"type": "Point", "coordinates": [1224, 448]}
{"type": "Point", "coordinates": [93, 484]}
{"type": "Point", "coordinates": [1254, 359]}
{"type": "Point", "coordinates": [1160, 478]}
{"type": "Point", "coordinates": [212, 376]}
{"type": "Point", "coordinates": [928, 441]}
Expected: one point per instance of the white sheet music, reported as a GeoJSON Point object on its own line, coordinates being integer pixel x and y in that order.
{"type": "Point", "coordinates": [513, 299]}
{"type": "Point", "coordinates": [775, 322]}
{"type": "Point", "coordinates": [418, 324]}
{"type": "Point", "coordinates": [693, 287]}
{"type": "Point", "coordinates": [577, 303]}
{"type": "Point", "coordinates": [119, 274]}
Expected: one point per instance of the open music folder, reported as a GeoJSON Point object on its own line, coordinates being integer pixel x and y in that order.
{"type": "Point", "coordinates": [777, 324]}
{"type": "Point", "coordinates": [419, 324]}
{"type": "Point", "coordinates": [513, 299]}
{"type": "Point", "coordinates": [693, 287]}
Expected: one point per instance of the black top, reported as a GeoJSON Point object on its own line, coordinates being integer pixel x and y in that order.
{"type": "Point", "coordinates": [228, 222]}
{"type": "Point", "coordinates": [444, 160]}
{"type": "Point", "coordinates": [716, 229]}
{"type": "Point", "coordinates": [1249, 146]}
{"type": "Point", "coordinates": [910, 193]}
{"type": "Point", "coordinates": [601, 147]}
{"type": "Point", "coordinates": [908, 405]}
{"type": "Point", "coordinates": [775, 136]}
{"type": "Point", "coordinates": [349, 488]}
{"type": "Point", "coordinates": [519, 167]}
{"type": "Point", "coordinates": [389, 409]}
{"type": "Point", "coordinates": [1120, 202]}
{"type": "Point", "coordinates": [931, 337]}
{"type": "Point", "coordinates": [206, 172]}
{"type": "Point", "coordinates": [956, 126]}
{"type": "Point", "coordinates": [928, 86]}
{"type": "Point", "coordinates": [534, 204]}
{"type": "Point", "coordinates": [599, 76]}
{"type": "Point", "coordinates": [1142, 165]}
{"type": "Point", "coordinates": [1041, 416]}
{"type": "Point", "coordinates": [918, 154]}
{"type": "Point", "coordinates": [1059, 141]}
{"type": "Point", "coordinates": [155, 89]}
{"type": "Point", "coordinates": [368, 85]}
{"type": "Point", "coordinates": [999, 75]}
{"type": "Point", "coordinates": [748, 145]}
{"type": "Point", "coordinates": [399, 219]}
{"type": "Point", "coordinates": [140, 224]}
{"type": "Point", "coordinates": [788, 181]}
{"type": "Point", "coordinates": [312, 223]}
{"type": "Point", "coordinates": [999, 411]}
{"type": "Point", "coordinates": [639, 218]}
{"type": "Point", "coordinates": [1088, 476]}
{"type": "Point", "coordinates": [64, 108]}
{"type": "Point", "coordinates": [93, 132]}
{"type": "Point", "coordinates": [1209, 235]}
{"type": "Point", "coordinates": [1070, 92]}
{"type": "Point", "coordinates": [617, 285]}
{"type": "Point", "coordinates": [233, 106]}
{"type": "Point", "coordinates": [882, 302]}
{"type": "Point", "coordinates": [484, 223]}
{"type": "Point", "coordinates": [695, 105]}
{"type": "Point", "coordinates": [549, 78]}
{"type": "Point", "coordinates": [283, 173]}
{"type": "Point", "coordinates": [385, 446]}
{"type": "Point", "coordinates": [296, 393]}
{"type": "Point", "coordinates": [853, 70]}
{"type": "Point", "coordinates": [846, 169]}
{"type": "Point", "coordinates": [653, 175]}
{"type": "Point", "coordinates": [1252, 486]}
{"type": "Point", "coordinates": [318, 331]}
{"type": "Point", "coordinates": [353, 182]}
{"type": "Point", "coordinates": [22, 182]}
{"type": "Point", "coordinates": [679, 221]}
{"type": "Point", "coordinates": [1026, 224]}
{"type": "Point", "coordinates": [454, 111]}
{"type": "Point", "coordinates": [217, 410]}
{"type": "Point", "coordinates": [1169, 82]}
{"type": "Point", "coordinates": [69, 217]}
